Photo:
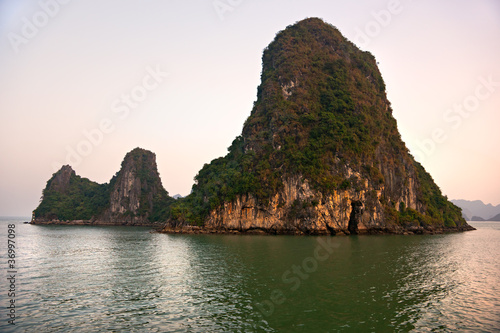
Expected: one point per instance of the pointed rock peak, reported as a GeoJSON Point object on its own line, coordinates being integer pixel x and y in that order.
{"type": "Point", "coordinates": [60, 180]}
{"type": "Point", "coordinates": [139, 158]}
{"type": "Point", "coordinates": [136, 188]}
{"type": "Point", "coordinates": [138, 152]}
{"type": "Point", "coordinates": [315, 26]}
{"type": "Point", "coordinates": [66, 169]}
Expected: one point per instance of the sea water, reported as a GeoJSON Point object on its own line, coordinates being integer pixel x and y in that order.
{"type": "Point", "coordinates": [98, 279]}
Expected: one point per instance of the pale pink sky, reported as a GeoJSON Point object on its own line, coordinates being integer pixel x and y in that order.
{"type": "Point", "coordinates": [192, 70]}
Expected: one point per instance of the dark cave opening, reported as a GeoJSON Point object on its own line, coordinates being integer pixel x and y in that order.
{"type": "Point", "coordinates": [356, 212]}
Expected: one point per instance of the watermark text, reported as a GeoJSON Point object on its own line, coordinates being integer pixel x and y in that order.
{"type": "Point", "coordinates": [48, 9]}
{"type": "Point", "coordinates": [454, 117]}
{"type": "Point", "coordinates": [122, 107]}
{"type": "Point", "coordinates": [11, 274]}
{"type": "Point", "coordinates": [294, 276]}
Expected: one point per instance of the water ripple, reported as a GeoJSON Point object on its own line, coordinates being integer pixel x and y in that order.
{"type": "Point", "coordinates": [101, 279]}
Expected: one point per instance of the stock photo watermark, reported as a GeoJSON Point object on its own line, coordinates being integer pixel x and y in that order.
{"type": "Point", "coordinates": [11, 274]}
{"type": "Point", "coordinates": [31, 26]}
{"type": "Point", "coordinates": [122, 107]}
{"type": "Point", "coordinates": [225, 7]}
{"type": "Point", "coordinates": [294, 276]}
{"type": "Point", "coordinates": [381, 19]}
{"type": "Point", "coordinates": [455, 115]}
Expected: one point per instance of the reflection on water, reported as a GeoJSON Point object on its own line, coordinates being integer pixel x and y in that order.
{"type": "Point", "coordinates": [115, 279]}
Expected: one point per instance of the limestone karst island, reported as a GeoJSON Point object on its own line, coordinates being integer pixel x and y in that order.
{"type": "Point", "coordinates": [319, 154]}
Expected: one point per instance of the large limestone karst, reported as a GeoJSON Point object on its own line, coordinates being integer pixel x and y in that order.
{"type": "Point", "coordinates": [320, 152]}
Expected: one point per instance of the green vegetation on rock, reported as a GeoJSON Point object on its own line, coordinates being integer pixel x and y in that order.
{"type": "Point", "coordinates": [134, 195]}
{"type": "Point", "coordinates": [321, 108]}
{"type": "Point", "coordinates": [76, 199]}
{"type": "Point", "coordinates": [320, 144]}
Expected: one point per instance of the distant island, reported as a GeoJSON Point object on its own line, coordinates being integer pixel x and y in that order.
{"type": "Point", "coordinates": [320, 154]}
{"type": "Point", "coordinates": [478, 211]}
{"type": "Point", "coordinates": [480, 219]}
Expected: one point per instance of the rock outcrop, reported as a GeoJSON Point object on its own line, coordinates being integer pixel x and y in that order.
{"type": "Point", "coordinates": [319, 154]}
{"type": "Point", "coordinates": [135, 190]}
{"type": "Point", "coordinates": [61, 180]}
{"type": "Point", "coordinates": [134, 196]}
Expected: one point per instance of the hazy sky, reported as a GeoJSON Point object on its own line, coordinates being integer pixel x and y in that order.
{"type": "Point", "coordinates": [84, 81]}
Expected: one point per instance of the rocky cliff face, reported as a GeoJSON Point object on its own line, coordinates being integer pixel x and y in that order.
{"type": "Point", "coordinates": [298, 208]}
{"type": "Point", "coordinates": [320, 152]}
{"type": "Point", "coordinates": [61, 180]}
{"type": "Point", "coordinates": [134, 195]}
{"type": "Point", "coordinates": [135, 189]}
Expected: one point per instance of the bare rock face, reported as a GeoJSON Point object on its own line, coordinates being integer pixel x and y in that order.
{"type": "Point", "coordinates": [134, 189]}
{"type": "Point", "coordinates": [61, 179]}
{"type": "Point", "coordinates": [299, 209]}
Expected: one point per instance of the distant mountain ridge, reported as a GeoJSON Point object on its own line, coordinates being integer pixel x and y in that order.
{"type": "Point", "coordinates": [495, 218]}
{"type": "Point", "coordinates": [477, 208]}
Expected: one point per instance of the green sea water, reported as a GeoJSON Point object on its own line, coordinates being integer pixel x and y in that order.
{"type": "Point", "coordinates": [127, 279]}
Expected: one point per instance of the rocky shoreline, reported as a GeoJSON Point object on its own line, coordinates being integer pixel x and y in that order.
{"type": "Point", "coordinates": [428, 230]}
{"type": "Point", "coordinates": [97, 223]}
{"type": "Point", "coordinates": [160, 227]}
